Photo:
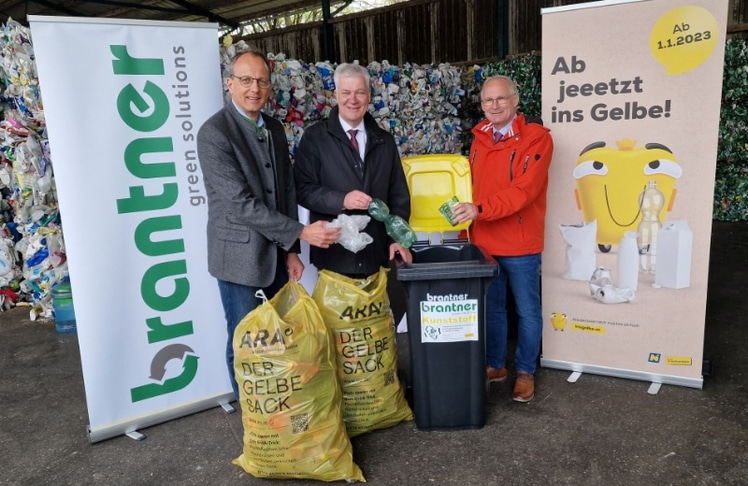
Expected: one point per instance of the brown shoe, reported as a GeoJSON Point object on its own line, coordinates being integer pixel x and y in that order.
{"type": "Point", "coordinates": [496, 375]}
{"type": "Point", "coordinates": [524, 387]}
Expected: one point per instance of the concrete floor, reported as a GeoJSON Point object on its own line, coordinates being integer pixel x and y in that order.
{"type": "Point", "coordinates": [598, 431]}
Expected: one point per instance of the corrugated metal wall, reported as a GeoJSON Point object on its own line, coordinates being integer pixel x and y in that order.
{"type": "Point", "coordinates": [432, 31]}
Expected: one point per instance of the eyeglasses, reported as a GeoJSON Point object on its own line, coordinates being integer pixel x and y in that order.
{"type": "Point", "coordinates": [499, 100]}
{"type": "Point", "coordinates": [247, 81]}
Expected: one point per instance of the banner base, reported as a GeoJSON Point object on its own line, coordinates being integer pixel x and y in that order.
{"type": "Point", "coordinates": [621, 373]}
{"type": "Point", "coordinates": [133, 424]}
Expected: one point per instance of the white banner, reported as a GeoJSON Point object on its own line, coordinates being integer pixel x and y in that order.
{"type": "Point", "coordinates": [633, 105]}
{"type": "Point", "coordinates": [123, 101]}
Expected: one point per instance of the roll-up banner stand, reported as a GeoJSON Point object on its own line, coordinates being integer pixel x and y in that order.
{"type": "Point", "coordinates": [123, 101]}
{"type": "Point", "coordinates": [631, 93]}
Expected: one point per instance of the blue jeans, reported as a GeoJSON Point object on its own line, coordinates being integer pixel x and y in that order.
{"type": "Point", "coordinates": [521, 274]}
{"type": "Point", "coordinates": [238, 301]}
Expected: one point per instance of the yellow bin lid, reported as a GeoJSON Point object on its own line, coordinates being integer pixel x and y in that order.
{"type": "Point", "coordinates": [433, 179]}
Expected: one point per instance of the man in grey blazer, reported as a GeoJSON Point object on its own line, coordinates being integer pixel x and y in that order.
{"type": "Point", "coordinates": [253, 228]}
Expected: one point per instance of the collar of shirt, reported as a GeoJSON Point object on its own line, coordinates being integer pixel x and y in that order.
{"type": "Point", "coordinates": [506, 128]}
{"type": "Point", "coordinates": [360, 135]}
{"type": "Point", "coordinates": [346, 127]}
{"type": "Point", "coordinates": [260, 123]}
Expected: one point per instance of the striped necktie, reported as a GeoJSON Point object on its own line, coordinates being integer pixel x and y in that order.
{"type": "Point", "coordinates": [354, 142]}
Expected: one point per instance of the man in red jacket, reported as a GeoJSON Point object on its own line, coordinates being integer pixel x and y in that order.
{"type": "Point", "coordinates": [509, 161]}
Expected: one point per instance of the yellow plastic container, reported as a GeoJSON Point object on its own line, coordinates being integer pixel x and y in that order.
{"type": "Point", "coordinates": [433, 180]}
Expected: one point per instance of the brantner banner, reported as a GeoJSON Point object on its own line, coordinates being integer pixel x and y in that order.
{"type": "Point", "coordinates": [123, 102]}
{"type": "Point", "coordinates": [631, 93]}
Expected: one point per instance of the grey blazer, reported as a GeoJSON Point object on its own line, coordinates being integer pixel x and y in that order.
{"type": "Point", "coordinates": [252, 211]}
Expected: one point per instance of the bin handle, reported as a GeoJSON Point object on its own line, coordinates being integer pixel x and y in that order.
{"type": "Point", "coordinates": [441, 237]}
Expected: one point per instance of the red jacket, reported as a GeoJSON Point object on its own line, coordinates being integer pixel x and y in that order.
{"type": "Point", "coordinates": [510, 178]}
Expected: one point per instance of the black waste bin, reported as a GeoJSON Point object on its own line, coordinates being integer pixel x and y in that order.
{"type": "Point", "coordinates": [446, 326]}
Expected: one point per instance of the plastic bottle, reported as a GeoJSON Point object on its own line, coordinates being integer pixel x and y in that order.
{"type": "Point", "coordinates": [651, 202]}
{"type": "Point", "coordinates": [62, 302]}
{"type": "Point", "coordinates": [396, 226]}
{"type": "Point", "coordinates": [628, 261]}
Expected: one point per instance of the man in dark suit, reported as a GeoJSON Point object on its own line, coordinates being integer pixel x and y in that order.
{"type": "Point", "coordinates": [341, 165]}
{"type": "Point", "coordinates": [253, 227]}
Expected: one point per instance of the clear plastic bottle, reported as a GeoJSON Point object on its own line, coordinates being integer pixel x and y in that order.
{"type": "Point", "coordinates": [651, 202]}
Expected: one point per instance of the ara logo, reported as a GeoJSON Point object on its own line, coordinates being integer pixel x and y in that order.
{"type": "Point", "coordinates": [357, 313]}
{"type": "Point", "coordinates": [158, 370]}
{"type": "Point", "coordinates": [263, 338]}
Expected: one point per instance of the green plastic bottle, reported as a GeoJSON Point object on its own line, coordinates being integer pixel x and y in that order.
{"type": "Point", "coordinates": [398, 229]}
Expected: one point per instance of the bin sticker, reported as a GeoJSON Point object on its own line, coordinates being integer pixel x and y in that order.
{"type": "Point", "coordinates": [449, 321]}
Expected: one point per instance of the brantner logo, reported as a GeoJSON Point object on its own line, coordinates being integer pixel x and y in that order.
{"type": "Point", "coordinates": [151, 159]}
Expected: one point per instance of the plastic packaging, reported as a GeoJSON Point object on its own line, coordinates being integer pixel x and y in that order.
{"type": "Point", "coordinates": [358, 316]}
{"type": "Point", "coordinates": [675, 242]}
{"type": "Point", "coordinates": [580, 260]}
{"type": "Point", "coordinates": [600, 278]}
{"type": "Point", "coordinates": [396, 226]}
{"type": "Point", "coordinates": [608, 294]}
{"type": "Point", "coordinates": [652, 201]}
{"type": "Point", "coordinates": [62, 298]}
{"type": "Point", "coordinates": [289, 393]}
{"type": "Point", "coordinates": [352, 237]}
{"type": "Point", "coordinates": [628, 261]}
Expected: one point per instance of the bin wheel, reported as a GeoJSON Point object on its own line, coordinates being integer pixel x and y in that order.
{"type": "Point", "coordinates": [604, 248]}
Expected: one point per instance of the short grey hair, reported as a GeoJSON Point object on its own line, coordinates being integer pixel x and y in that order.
{"type": "Point", "coordinates": [348, 70]}
{"type": "Point", "coordinates": [496, 77]}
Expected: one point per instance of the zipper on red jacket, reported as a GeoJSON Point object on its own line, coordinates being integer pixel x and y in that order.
{"type": "Point", "coordinates": [524, 169]}
{"type": "Point", "coordinates": [511, 165]}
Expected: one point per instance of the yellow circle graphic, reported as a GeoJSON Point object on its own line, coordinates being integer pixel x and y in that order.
{"type": "Point", "coordinates": [683, 38]}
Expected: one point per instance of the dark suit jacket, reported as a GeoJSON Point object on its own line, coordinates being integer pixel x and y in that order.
{"type": "Point", "coordinates": [325, 172]}
{"type": "Point", "coordinates": [252, 211]}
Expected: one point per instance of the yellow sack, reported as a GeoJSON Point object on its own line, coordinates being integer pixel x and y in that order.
{"type": "Point", "coordinates": [289, 394]}
{"type": "Point", "coordinates": [358, 314]}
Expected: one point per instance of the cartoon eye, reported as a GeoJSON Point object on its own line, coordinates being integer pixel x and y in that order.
{"type": "Point", "coordinates": [663, 166]}
{"type": "Point", "coordinates": [591, 167]}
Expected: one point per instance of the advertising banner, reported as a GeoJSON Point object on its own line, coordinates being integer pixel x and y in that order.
{"type": "Point", "coordinates": [123, 101]}
{"type": "Point", "coordinates": [631, 93]}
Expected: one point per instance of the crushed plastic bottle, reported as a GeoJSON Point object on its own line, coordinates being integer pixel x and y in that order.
{"type": "Point", "coordinates": [396, 227]}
